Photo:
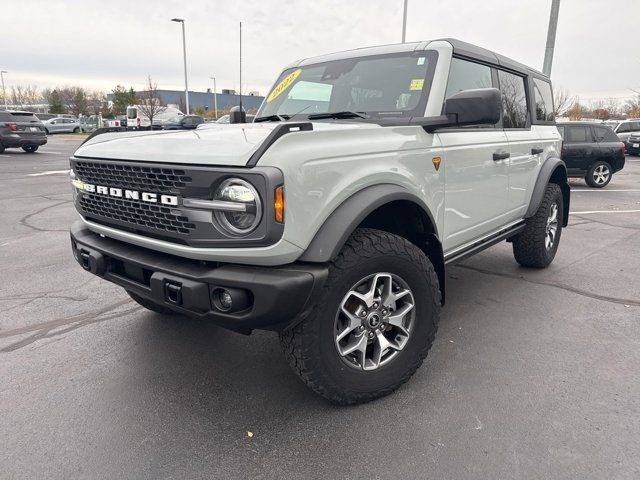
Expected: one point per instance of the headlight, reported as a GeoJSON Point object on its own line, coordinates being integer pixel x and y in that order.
{"type": "Point", "coordinates": [244, 220]}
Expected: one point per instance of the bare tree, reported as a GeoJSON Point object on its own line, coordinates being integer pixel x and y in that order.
{"type": "Point", "coordinates": [632, 107]}
{"type": "Point", "coordinates": [150, 101]}
{"type": "Point", "coordinates": [612, 105]}
{"type": "Point", "coordinates": [563, 101]}
{"type": "Point", "coordinates": [95, 102]}
{"type": "Point", "coordinates": [78, 101]}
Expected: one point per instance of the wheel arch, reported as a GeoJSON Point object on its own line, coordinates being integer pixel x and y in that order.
{"type": "Point", "coordinates": [386, 207]}
{"type": "Point", "coordinates": [553, 170]}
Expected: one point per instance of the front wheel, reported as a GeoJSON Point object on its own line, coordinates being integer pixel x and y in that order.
{"type": "Point", "coordinates": [30, 148]}
{"type": "Point", "coordinates": [537, 244]}
{"type": "Point", "coordinates": [599, 175]}
{"type": "Point", "coordinates": [374, 323]}
{"type": "Point", "coordinates": [76, 130]}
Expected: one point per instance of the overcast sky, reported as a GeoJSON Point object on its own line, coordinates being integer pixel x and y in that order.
{"type": "Point", "coordinates": [98, 44]}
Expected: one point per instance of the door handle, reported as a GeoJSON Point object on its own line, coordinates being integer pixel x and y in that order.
{"type": "Point", "coordinates": [500, 156]}
{"type": "Point", "coordinates": [536, 151]}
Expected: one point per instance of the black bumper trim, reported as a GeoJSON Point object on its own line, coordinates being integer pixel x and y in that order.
{"type": "Point", "coordinates": [280, 296]}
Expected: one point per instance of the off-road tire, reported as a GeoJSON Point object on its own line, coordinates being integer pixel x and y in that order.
{"type": "Point", "coordinates": [590, 178]}
{"type": "Point", "coordinates": [30, 148]}
{"type": "Point", "coordinates": [149, 305]}
{"type": "Point", "coordinates": [529, 247]}
{"type": "Point", "coordinates": [309, 346]}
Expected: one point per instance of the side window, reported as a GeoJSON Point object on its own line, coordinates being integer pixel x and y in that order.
{"type": "Point", "coordinates": [514, 100]}
{"type": "Point", "coordinates": [604, 134]}
{"type": "Point", "coordinates": [577, 134]}
{"type": "Point", "coordinates": [635, 126]}
{"type": "Point", "coordinates": [465, 75]}
{"type": "Point", "coordinates": [544, 100]}
{"type": "Point", "coordinates": [624, 127]}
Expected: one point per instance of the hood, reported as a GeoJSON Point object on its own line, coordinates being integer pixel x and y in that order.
{"type": "Point", "coordinates": [210, 144]}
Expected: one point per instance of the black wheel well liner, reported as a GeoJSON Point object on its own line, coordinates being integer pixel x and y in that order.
{"type": "Point", "coordinates": [386, 207]}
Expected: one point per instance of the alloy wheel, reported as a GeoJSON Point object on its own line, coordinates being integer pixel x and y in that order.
{"type": "Point", "coordinates": [374, 321]}
{"type": "Point", "coordinates": [552, 226]}
{"type": "Point", "coordinates": [601, 174]}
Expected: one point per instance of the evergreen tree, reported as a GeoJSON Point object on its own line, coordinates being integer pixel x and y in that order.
{"type": "Point", "coordinates": [55, 103]}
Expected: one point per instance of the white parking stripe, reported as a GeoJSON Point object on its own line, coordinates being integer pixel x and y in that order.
{"type": "Point", "coordinates": [575, 190]}
{"type": "Point", "coordinates": [603, 211]}
{"type": "Point", "coordinates": [49, 172]}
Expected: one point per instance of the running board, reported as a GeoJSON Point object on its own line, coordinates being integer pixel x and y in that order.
{"type": "Point", "coordinates": [483, 244]}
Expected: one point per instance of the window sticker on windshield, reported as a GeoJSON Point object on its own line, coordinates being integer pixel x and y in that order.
{"type": "Point", "coordinates": [420, 61]}
{"type": "Point", "coordinates": [282, 86]}
{"type": "Point", "coordinates": [416, 84]}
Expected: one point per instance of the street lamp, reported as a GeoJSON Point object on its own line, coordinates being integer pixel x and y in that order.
{"type": "Point", "coordinates": [184, 54]}
{"type": "Point", "coordinates": [4, 93]}
{"type": "Point", "coordinates": [215, 97]}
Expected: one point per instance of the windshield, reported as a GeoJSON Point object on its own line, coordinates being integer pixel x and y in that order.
{"type": "Point", "coordinates": [380, 86]}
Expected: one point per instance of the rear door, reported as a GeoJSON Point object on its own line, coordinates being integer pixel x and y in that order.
{"type": "Point", "coordinates": [476, 165]}
{"type": "Point", "coordinates": [524, 160]}
{"type": "Point", "coordinates": [578, 147]}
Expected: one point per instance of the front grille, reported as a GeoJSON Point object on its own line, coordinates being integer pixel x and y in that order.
{"type": "Point", "coordinates": [135, 213]}
{"type": "Point", "coordinates": [148, 179]}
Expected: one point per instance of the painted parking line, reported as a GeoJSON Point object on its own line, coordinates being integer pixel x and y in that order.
{"type": "Point", "coordinates": [575, 190]}
{"type": "Point", "coordinates": [48, 172]}
{"type": "Point", "coordinates": [589, 212]}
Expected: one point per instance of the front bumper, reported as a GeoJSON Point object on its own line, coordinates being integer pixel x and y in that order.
{"type": "Point", "coordinates": [276, 297]}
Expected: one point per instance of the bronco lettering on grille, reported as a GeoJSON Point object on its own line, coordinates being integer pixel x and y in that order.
{"type": "Point", "coordinates": [131, 194]}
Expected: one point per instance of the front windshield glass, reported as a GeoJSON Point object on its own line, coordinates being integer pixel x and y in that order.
{"type": "Point", "coordinates": [380, 86]}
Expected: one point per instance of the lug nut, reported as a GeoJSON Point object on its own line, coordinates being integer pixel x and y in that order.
{"type": "Point", "coordinates": [384, 311]}
{"type": "Point", "coordinates": [375, 304]}
{"type": "Point", "coordinates": [371, 334]}
{"type": "Point", "coordinates": [363, 313]}
{"type": "Point", "coordinates": [361, 328]}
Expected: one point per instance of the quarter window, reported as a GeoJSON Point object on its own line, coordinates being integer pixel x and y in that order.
{"type": "Point", "coordinates": [544, 100]}
{"type": "Point", "coordinates": [604, 134]}
{"type": "Point", "coordinates": [514, 100]}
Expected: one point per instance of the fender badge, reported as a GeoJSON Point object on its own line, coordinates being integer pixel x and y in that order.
{"type": "Point", "coordinates": [436, 162]}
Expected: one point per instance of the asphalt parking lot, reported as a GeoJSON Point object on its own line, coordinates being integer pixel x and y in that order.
{"type": "Point", "coordinates": [534, 374]}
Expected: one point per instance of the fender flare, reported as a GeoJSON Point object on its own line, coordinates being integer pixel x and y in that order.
{"type": "Point", "coordinates": [337, 228]}
{"type": "Point", "coordinates": [556, 168]}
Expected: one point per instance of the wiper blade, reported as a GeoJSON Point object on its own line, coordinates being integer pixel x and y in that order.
{"type": "Point", "coordinates": [272, 118]}
{"type": "Point", "coordinates": [344, 114]}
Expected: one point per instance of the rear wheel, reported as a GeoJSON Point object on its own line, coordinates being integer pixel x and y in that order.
{"type": "Point", "coordinates": [149, 305]}
{"type": "Point", "coordinates": [30, 148]}
{"type": "Point", "coordinates": [599, 175]}
{"type": "Point", "coordinates": [537, 245]}
{"type": "Point", "coordinates": [373, 324]}
{"type": "Point", "coordinates": [76, 130]}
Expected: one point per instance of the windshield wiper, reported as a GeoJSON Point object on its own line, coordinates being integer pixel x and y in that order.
{"type": "Point", "coordinates": [345, 114]}
{"type": "Point", "coordinates": [272, 118]}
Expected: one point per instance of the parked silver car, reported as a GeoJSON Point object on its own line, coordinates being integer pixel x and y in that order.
{"type": "Point", "coordinates": [60, 125]}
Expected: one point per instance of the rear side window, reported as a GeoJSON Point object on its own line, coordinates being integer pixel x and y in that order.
{"type": "Point", "coordinates": [577, 134]}
{"type": "Point", "coordinates": [465, 75]}
{"type": "Point", "coordinates": [5, 117]}
{"type": "Point", "coordinates": [544, 100]}
{"type": "Point", "coordinates": [604, 134]}
{"type": "Point", "coordinates": [635, 126]}
{"type": "Point", "coordinates": [514, 100]}
{"type": "Point", "coordinates": [24, 117]}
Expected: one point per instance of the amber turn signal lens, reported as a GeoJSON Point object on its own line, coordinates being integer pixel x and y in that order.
{"type": "Point", "coordinates": [278, 204]}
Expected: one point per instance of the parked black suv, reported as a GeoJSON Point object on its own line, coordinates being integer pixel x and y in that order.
{"type": "Point", "coordinates": [591, 151]}
{"type": "Point", "coordinates": [21, 130]}
{"type": "Point", "coordinates": [633, 144]}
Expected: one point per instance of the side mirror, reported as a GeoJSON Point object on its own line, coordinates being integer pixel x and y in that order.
{"type": "Point", "coordinates": [237, 117]}
{"type": "Point", "coordinates": [474, 107]}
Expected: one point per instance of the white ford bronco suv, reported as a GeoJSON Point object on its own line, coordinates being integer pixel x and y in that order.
{"type": "Point", "coordinates": [331, 218]}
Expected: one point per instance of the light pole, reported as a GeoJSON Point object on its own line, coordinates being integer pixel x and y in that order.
{"type": "Point", "coordinates": [184, 54]}
{"type": "Point", "coordinates": [551, 37]}
{"type": "Point", "coordinates": [4, 93]}
{"type": "Point", "coordinates": [215, 97]}
{"type": "Point", "coordinates": [404, 22]}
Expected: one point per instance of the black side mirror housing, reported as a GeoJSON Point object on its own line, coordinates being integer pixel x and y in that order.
{"type": "Point", "coordinates": [237, 117]}
{"type": "Point", "coordinates": [475, 107]}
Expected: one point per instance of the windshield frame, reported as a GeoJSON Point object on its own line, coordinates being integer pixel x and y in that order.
{"type": "Point", "coordinates": [373, 116]}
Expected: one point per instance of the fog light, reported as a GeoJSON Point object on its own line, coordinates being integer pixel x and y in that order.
{"type": "Point", "coordinates": [226, 302]}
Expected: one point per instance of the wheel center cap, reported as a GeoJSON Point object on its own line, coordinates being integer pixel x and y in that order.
{"type": "Point", "coordinates": [373, 320]}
